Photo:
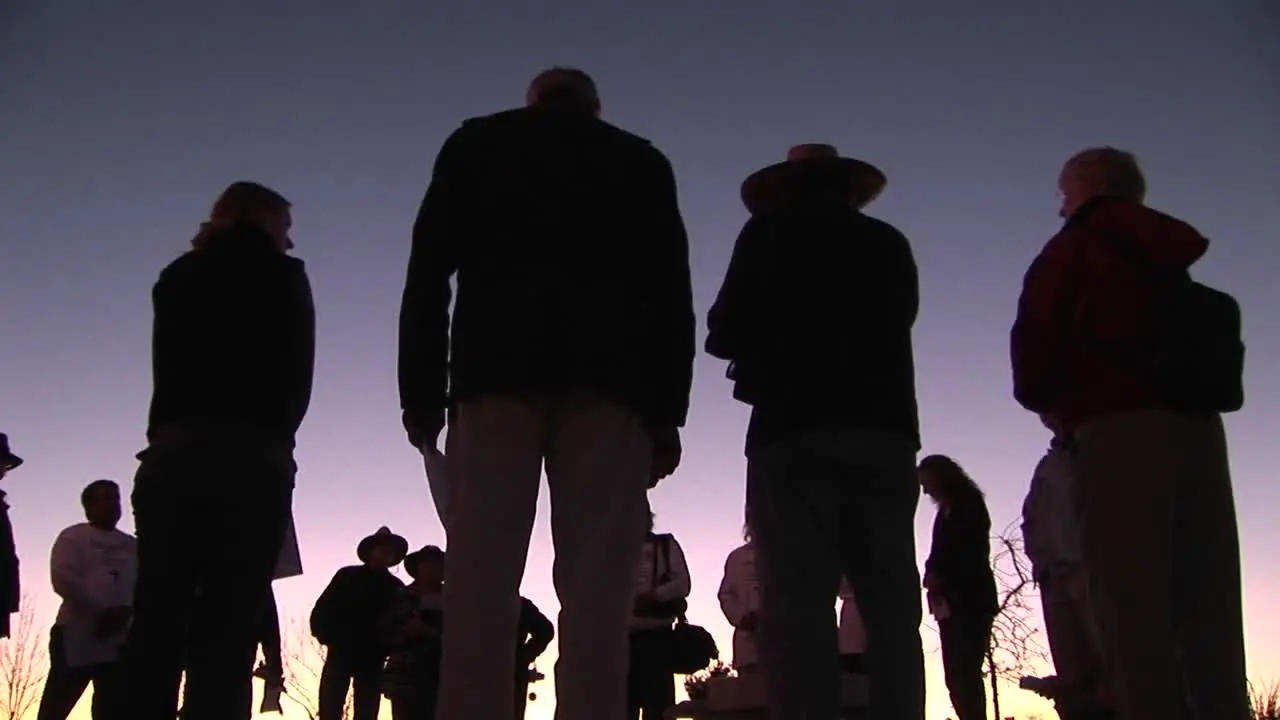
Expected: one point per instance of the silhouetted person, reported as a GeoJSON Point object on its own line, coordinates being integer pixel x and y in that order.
{"type": "Point", "coordinates": [959, 580]}
{"type": "Point", "coordinates": [232, 358]}
{"type": "Point", "coordinates": [739, 597]}
{"type": "Point", "coordinates": [1137, 362]}
{"type": "Point", "coordinates": [93, 566]}
{"type": "Point", "coordinates": [1051, 538]}
{"type": "Point", "coordinates": [662, 586]}
{"type": "Point", "coordinates": [10, 587]}
{"type": "Point", "coordinates": [815, 317]}
{"type": "Point", "coordinates": [572, 343]}
{"type": "Point", "coordinates": [411, 631]}
{"type": "Point", "coordinates": [534, 636]}
{"type": "Point", "coordinates": [347, 619]}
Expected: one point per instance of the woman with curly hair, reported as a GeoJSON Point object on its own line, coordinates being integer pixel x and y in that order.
{"type": "Point", "coordinates": [961, 586]}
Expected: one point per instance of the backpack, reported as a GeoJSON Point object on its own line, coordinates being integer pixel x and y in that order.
{"type": "Point", "coordinates": [1199, 346]}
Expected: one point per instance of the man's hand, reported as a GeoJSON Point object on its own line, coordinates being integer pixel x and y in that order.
{"type": "Point", "coordinates": [423, 426]}
{"type": "Point", "coordinates": [749, 622]}
{"type": "Point", "coordinates": [666, 452]}
{"type": "Point", "coordinates": [112, 621]}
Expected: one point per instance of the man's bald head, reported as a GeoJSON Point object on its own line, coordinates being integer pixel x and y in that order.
{"type": "Point", "coordinates": [562, 87]}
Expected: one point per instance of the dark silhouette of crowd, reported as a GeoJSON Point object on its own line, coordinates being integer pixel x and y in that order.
{"type": "Point", "coordinates": [570, 349]}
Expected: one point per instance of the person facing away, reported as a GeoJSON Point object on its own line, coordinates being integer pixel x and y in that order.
{"type": "Point", "coordinates": [1051, 537]}
{"type": "Point", "coordinates": [10, 587]}
{"type": "Point", "coordinates": [346, 618]}
{"type": "Point", "coordinates": [411, 631]}
{"type": "Point", "coordinates": [93, 566]}
{"type": "Point", "coordinates": [233, 350]}
{"type": "Point", "coordinates": [960, 583]}
{"type": "Point", "coordinates": [1137, 363]}
{"type": "Point", "coordinates": [662, 587]}
{"type": "Point", "coordinates": [815, 316]}
{"type": "Point", "coordinates": [571, 344]}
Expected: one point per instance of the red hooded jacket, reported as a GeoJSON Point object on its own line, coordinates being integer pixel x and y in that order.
{"type": "Point", "coordinates": [1081, 290]}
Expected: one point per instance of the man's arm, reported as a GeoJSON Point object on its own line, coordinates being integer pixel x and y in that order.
{"type": "Point", "coordinates": [297, 337]}
{"type": "Point", "coordinates": [731, 603]}
{"type": "Point", "coordinates": [672, 289]}
{"type": "Point", "coordinates": [539, 628]}
{"type": "Point", "coordinates": [1037, 342]}
{"type": "Point", "coordinates": [67, 570]}
{"type": "Point", "coordinates": [725, 319]}
{"type": "Point", "coordinates": [902, 279]}
{"type": "Point", "coordinates": [424, 306]}
{"type": "Point", "coordinates": [678, 584]}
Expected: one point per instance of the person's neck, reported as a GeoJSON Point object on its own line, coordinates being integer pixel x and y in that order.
{"type": "Point", "coordinates": [376, 566]}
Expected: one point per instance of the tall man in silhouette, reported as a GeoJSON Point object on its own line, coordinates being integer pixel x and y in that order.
{"type": "Point", "coordinates": [1135, 363]}
{"type": "Point", "coordinates": [572, 344]}
{"type": "Point", "coordinates": [815, 317]}
{"type": "Point", "coordinates": [10, 585]}
{"type": "Point", "coordinates": [232, 357]}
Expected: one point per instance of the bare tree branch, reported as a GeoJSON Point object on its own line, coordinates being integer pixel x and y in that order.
{"type": "Point", "coordinates": [1016, 641]}
{"type": "Point", "coordinates": [24, 664]}
{"type": "Point", "coordinates": [303, 663]}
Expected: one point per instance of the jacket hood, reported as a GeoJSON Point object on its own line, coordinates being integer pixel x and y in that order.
{"type": "Point", "coordinates": [1166, 240]}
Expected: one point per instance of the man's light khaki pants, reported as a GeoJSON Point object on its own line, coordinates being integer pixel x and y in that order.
{"type": "Point", "coordinates": [1163, 560]}
{"type": "Point", "coordinates": [598, 458]}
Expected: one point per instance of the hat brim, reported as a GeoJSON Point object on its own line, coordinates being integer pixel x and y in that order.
{"type": "Point", "coordinates": [763, 189]}
{"type": "Point", "coordinates": [397, 543]}
{"type": "Point", "coordinates": [12, 461]}
{"type": "Point", "coordinates": [411, 560]}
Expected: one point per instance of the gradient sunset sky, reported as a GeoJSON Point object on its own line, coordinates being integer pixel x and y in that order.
{"type": "Point", "coordinates": [120, 121]}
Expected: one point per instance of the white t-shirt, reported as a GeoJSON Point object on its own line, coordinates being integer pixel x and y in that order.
{"type": "Point", "coordinates": [92, 570]}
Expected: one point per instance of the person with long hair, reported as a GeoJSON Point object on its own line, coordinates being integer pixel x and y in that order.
{"type": "Point", "coordinates": [961, 586]}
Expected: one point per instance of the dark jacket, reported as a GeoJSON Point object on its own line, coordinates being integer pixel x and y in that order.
{"type": "Point", "coordinates": [411, 632]}
{"type": "Point", "coordinates": [536, 632]}
{"type": "Point", "coordinates": [960, 559]}
{"type": "Point", "coordinates": [1081, 292]}
{"type": "Point", "coordinates": [815, 316]}
{"type": "Point", "coordinates": [349, 616]}
{"type": "Point", "coordinates": [572, 269]}
{"type": "Point", "coordinates": [233, 345]}
{"type": "Point", "coordinates": [10, 587]}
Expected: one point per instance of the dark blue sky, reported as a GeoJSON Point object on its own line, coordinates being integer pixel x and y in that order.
{"type": "Point", "coordinates": [120, 121]}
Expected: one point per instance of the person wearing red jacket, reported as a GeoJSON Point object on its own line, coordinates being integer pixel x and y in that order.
{"type": "Point", "coordinates": [1158, 526]}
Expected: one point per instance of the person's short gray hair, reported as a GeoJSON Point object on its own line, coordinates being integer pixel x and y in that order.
{"type": "Point", "coordinates": [564, 85]}
{"type": "Point", "coordinates": [1117, 171]}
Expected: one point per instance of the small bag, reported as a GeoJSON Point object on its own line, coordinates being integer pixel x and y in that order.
{"type": "Point", "coordinates": [690, 648]}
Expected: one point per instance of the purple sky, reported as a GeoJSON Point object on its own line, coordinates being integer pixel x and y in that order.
{"type": "Point", "coordinates": [119, 122]}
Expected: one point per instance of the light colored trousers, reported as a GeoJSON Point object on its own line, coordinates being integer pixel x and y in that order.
{"type": "Point", "coordinates": [826, 503]}
{"type": "Point", "coordinates": [1158, 529]}
{"type": "Point", "coordinates": [598, 458]}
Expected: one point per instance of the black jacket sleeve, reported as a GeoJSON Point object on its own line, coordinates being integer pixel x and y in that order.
{"type": "Point", "coordinates": [10, 585]}
{"type": "Point", "coordinates": [327, 615]}
{"type": "Point", "coordinates": [672, 292]}
{"type": "Point", "coordinates": [424, 307]}
{"type": "Point", "coordinates": [296, 333]}
{"type": "Point", "coordinates": [726, 317]}
{"type": "Point", "coordinates": [536, 630]}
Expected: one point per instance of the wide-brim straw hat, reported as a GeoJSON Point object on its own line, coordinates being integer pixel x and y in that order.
{"type": "Point", "coordinates": [384, 536]}
{"type": "Point", "coordinates": [763, 189]}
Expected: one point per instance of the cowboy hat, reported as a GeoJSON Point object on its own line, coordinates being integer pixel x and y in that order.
{"type": "Point", "coordinates": [423, 553]}
{"type": "Point", "coordinates": [383, 536]}
{"type": "Point", "coordinates": [763, 188]}
{"type": "Point", "coordinates": [8, 460]}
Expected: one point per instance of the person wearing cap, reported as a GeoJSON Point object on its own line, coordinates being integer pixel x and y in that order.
{"type": "Point", "coordinates": [10, 587]}
{"type": "Point", "coordinates": [411, 631]}
{"type": "Point", "coordinates": [815, 316]}
{"type": "Point", "coordinates": [233, 350]}
{"type": "Point", "coordinates": [571, 345]}
{"type": "Point", "coordinates": [346, 620]}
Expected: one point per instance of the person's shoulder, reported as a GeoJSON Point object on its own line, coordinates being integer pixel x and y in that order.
{"type": "Point", "coordinates": [880, 228]}
{"type": "Point", "coordinates": [75, 533]}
